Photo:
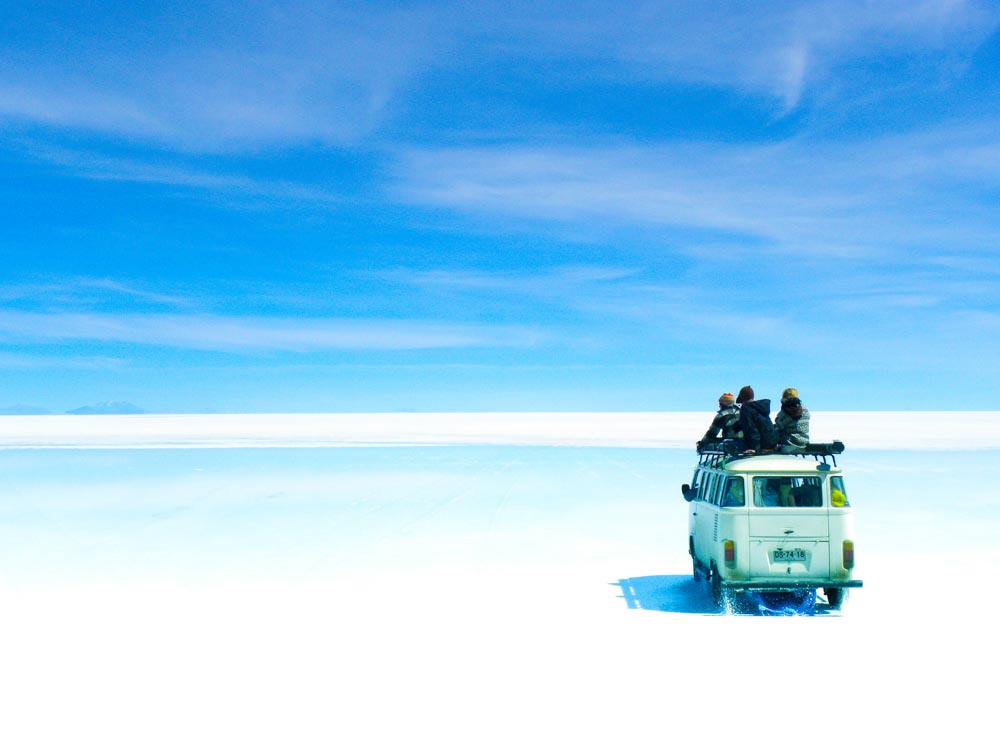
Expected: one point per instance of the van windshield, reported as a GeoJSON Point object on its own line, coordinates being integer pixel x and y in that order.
{"type": "Point", "coordinates": [787, 492]}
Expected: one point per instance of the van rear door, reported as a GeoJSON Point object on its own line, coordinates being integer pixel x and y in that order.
{"type": "Point", "coordinates": [789, 528]}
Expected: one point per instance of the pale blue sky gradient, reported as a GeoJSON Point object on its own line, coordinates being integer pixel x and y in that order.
{"type": "Point", "coordinates": [372, 206]}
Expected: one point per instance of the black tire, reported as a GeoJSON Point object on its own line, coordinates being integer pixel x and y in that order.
{"type": "Point", "coordinates": [696, 570]}
{"type": "Point", "coordinates": [835, 597]}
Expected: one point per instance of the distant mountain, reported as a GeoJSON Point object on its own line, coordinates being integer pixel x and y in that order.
{"type": "Point", "coordinates": [22, 409]}
{"type": "Point", "coordinates": [109, 407]}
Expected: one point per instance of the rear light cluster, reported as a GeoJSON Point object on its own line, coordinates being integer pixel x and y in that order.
{"type": "Point", "coordinates": [729, 552]}
{"type": "Point", "coordinates": [848, 555]}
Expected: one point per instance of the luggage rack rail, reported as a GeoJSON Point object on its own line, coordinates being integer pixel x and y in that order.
{"type": "Point", "coordinates": [715, 454]}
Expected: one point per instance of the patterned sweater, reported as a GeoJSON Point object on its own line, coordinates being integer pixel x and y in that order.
{"type": "Point", "coordinates": [727, 421]}
{"type": "Point", "coordinates": [793, 428]}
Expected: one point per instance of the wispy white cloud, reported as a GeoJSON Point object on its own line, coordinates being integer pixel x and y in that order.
{"type": "Point", "coordinates": [84, 290]}
{"type": "Point", "coordinates": [213, 76]}
{"type": "Point", "coordinates": [629, 300]}
{"type": "Point", "coordinates": [883, 291]}
{"type": "Point", "coordinates": [775, 49]}
{"type": "Point", "coordinates": [779, 310]}
{"type": "Point", "coordinates": [965, 264]}
{"type": "Point", "coordinates": [848, 198]}
{"type": "Point", "coordinates": [70, 107]}
{"type": "Point", "coordinates": [545, 282]}
{"type": "Point", "coordinates": [24, 361]}
{"type": "Point", "coordinates": [96, 166]}
{"type": "Point", "coordinates": [217, 77]}
{"type": "Point", "coordinates": [982, 322]}
{"type": "Point", "coordinates": [258, 334]}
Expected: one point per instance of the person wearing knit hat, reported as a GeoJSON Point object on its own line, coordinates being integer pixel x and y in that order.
{"type": "Point", "coordinates": [726, 422]}
{"type": "Point", "coordinates": [755, 422]}
{"type": "Point", "coordinates": [792, 422]}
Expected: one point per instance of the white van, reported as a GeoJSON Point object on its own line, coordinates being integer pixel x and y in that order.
{"type": "Point", "coordinates": [771, 523]}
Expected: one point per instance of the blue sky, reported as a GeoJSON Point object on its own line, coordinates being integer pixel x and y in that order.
{"type": "Point", "coordinates": [360, 206]}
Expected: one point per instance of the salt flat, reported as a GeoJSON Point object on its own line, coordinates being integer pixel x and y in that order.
{"type": "Point", "coordinates": [861, 430]}
{"type": "Point", "coordinates": [476, 596]}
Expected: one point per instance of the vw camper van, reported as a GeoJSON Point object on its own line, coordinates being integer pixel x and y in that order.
{"type": "Point", "coordinates": [771, 523]}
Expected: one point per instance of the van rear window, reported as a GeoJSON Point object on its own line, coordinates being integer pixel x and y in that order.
{"type": "Point", "coordinates": [787, 492]}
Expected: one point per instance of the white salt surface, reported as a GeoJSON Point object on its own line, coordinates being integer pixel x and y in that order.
{"type": "Point", "coordinates": [860, 430]}
{"type": "Point", "coordinates": [469, 597]}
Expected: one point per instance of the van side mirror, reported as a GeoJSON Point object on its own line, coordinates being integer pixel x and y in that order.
{"type": "Point", "coordinates": [687, 492]}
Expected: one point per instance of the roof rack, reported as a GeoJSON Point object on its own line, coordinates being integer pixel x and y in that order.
{"type": "Point", "coordinates": [715, 453]}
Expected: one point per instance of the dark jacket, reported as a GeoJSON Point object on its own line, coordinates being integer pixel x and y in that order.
{"type": "Point", "coordinates": [755, 421]}
{"type": "Point", "coordinates": [727, 422]}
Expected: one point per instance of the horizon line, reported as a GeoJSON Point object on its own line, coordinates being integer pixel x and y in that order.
{"type": "Point", "coordinates": [882, 430]}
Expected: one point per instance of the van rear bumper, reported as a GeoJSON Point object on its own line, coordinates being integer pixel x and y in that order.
{"type": "Point", "coordinates": [789, 585]}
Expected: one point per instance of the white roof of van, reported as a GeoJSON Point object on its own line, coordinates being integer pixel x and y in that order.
{"type": "Point", "coordinates": [777, 462]}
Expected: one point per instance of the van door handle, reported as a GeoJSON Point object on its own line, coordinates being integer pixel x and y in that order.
{"type": "Point", "coordinates": [789, 531]}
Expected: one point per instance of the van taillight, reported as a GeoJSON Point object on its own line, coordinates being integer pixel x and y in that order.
{"type": "Point", "coordinates": [729, 552]}
{"type": "Point", "coordinates": [848, 555]}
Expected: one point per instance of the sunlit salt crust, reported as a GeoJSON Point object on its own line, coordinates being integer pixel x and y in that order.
{"type": "Point", "coordinates": [859, 430]}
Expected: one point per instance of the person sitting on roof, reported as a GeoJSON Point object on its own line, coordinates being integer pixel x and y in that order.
{"type": "Point", "coordinates": [759, 434]}
{"type": "Point", "coordinates": [792, 422]}
{"type": "Point", "coordinates": [727, 421]}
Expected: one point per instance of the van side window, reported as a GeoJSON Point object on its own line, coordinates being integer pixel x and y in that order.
{"type": "Point", "coordinates": [787, 492]}
{"type": "Point", "coordinates": [717, 490]}
{"type": "Point", "coordinates": [708, 486]}
{"type": "Point", "coordinates": [733, 495]}
{"type": "Point", "coordinates": [696, 481]}
{"type": "Point", "coordinates": [838, 495]}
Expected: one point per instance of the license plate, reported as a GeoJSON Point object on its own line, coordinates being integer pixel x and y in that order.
{"type": "Point", "coordinates": [789, 555]}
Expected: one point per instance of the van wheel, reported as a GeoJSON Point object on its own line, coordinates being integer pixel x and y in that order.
{"type": "Point", "coordinates": [696, 569]}
{"type": "Point", "coordinates": [718, 594]}
{"type": "Point", "coordinates": [835, 597]}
